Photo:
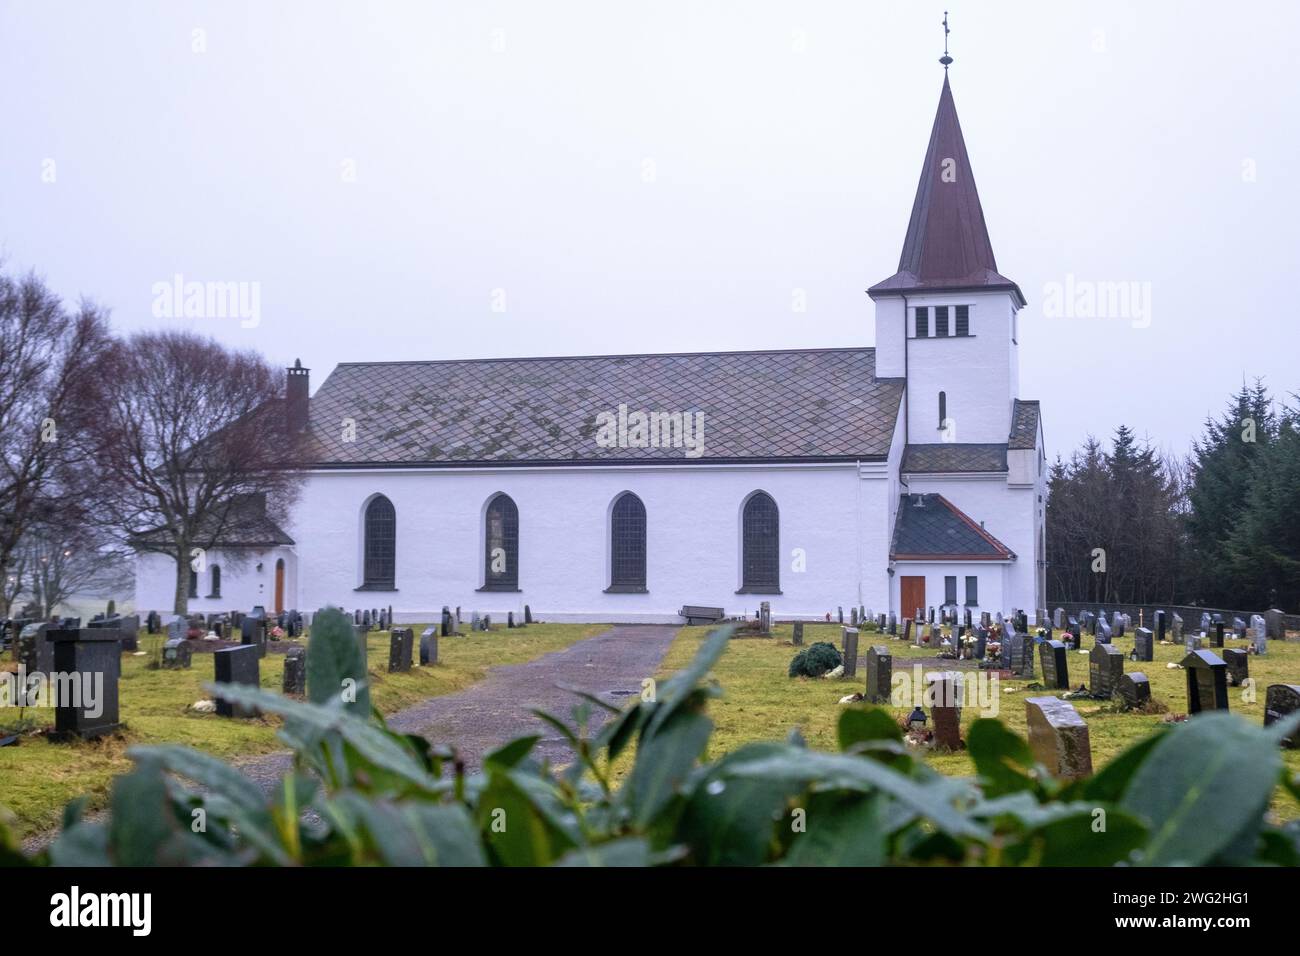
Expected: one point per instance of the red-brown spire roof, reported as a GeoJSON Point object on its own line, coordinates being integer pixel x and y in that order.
{"type": "Point", "coordinates": [947, 245]}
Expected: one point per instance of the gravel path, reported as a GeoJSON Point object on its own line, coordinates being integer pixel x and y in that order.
{"type": "Point", "coordinates": [496, 709]}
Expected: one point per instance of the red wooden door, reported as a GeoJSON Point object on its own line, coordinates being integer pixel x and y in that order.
{"type": "Point", "coordinates": [912, 594]}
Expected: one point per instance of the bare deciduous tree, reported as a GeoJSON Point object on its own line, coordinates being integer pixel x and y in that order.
{"type": "Point", "coordinates": [191, 432]}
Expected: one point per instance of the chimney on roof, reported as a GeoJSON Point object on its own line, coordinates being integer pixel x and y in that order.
{"type": "Point", "coordinates": [295, 397]}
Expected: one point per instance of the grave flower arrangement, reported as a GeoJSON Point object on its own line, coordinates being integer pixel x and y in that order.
{"type": "Point", "coordinates": [277, 632]}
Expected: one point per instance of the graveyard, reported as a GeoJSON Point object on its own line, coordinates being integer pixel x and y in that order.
{"type": "Point", "coordinates": [39, 775]}
{"type": "Point", "coordinates": [761, 703]}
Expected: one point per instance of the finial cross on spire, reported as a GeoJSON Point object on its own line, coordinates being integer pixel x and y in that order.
{"type": "Point", "coordinates": [945, 59]}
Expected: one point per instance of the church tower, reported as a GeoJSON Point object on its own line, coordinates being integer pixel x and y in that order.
{"type": "Point", "coordinates": [946, 320]}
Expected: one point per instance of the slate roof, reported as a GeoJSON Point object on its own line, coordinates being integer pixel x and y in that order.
{"type": "Point", "coordinates": [931, 527]}
{"type": "Point", "coordinates": [947, 244]}
{"type": "Point", "coordinates": [819, 404]}
{"type": "Point", "coordinates": [1024, 425]}
{"type": "Point", "coordinates": [954, 457]}
{"type": "Point", "coordinates": [246, 526]}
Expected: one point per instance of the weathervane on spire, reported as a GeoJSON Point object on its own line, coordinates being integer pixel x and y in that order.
{"type": "Point", "coordinates": [945, 59]}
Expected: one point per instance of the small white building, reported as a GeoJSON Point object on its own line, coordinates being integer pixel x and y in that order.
{"type": "Point", "coordinates": [620, 488]}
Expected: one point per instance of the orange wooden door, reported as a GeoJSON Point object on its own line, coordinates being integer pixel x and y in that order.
{"type": "Point", "coordinates": [911, 594]}
{"type": "Point", "coordinates": [279, 585]}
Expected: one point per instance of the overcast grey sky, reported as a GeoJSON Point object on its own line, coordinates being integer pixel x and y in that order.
{"type": "Point", "coordinates": [663, 176]}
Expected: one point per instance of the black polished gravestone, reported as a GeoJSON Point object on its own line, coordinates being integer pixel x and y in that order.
{"type": "Point", "coordinates": [1160, 626]}
{"type": "Point", "coordinates": [1134, 689]}
{"type": "Point", "coordinates": [87, 707]}
{"type": "Point", "coordinates": [1105, 668]}
{"type": "Point", "coordinates": [1144, 648]}
{"type": "Point", "coordinates": [981, 643]}
{"type": "Point", "coordinates": [236, 665]}
{"type": "Point", "coordinates": [1218, 633]}
{"type": "Point", "coordinates": [294, 682]}
{"type": "Point", "coordinates": [1056, 670]}
{"type": "Point", "coordinates": [1207, 682]}
{"type": "Point", "coordinates": [797, 639]}
{"type": "Point", "coordinates": [446, 622]}
{"type": "Point", "coordinates": [429, 646]}
{"type": "Point", "coordinates": [528, 615]}
{"type": "Point", "coordinates": [252, 635]}
{"type": "Point", "coordinates": [401, 643]}
{"type": "Point", "coordinates": [880, 674]}
{"type": "Point", "coordinates": [33, 650]}
{"type": "Point", "coordinates": [1282, 700]}
{"type": "Point", "coordinates": [1238, 662]}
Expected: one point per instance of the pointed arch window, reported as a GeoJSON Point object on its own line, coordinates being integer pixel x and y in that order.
{"type": "Point", "coordinates": [627, 548]}
{"type": "Point", "coordinates": [943, 409]}
{"type": "Point", "coordinates": [760, 546]}
{"type": "Point", "coordinates": [501, 545]}
{"type": "Point", "coordinates": [380, 565]}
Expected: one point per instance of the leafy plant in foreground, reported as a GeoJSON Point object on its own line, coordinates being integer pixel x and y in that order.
{"type": "Point", "coordinates": [360, 793]}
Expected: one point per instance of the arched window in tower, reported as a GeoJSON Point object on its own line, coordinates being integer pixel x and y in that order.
{"type": "Point", "coordinates": [216, 581]}
{"type": "Point", "coordinates": [501, 545]}
{"type": "Point", "coordinates": [380, 565]}
{"type": "Point", "coordinates": [627, 550]}
{"type": "Point", "coordinates": [943, 409]}
{"type": "Point", "coordinates": [760, 545]}
{"type": "Point", "coordinates": [194, 583]}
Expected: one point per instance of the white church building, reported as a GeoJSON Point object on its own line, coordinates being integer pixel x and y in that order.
{"type": "Point", "coordinates": [620, 488]}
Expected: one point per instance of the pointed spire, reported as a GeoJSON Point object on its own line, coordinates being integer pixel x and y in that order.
{"type": "Point", "coordinates": [947, 244]}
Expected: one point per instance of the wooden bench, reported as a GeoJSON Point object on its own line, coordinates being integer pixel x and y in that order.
{"type": "Point", "coordinates": [701, 615]}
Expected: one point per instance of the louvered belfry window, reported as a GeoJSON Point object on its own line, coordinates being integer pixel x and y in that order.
{"type": "Point", "coordinates": [379, 573]}
{"type": "Point", "coordinates": [922, 322]}
{"type": "Point", "coordinates": [941, 321]}
{"type": "Point", "coordinates": [963, 319]}
{"type": "Point", "coordinates": [627, 543]}
{"type": "Point", "coordinates": [501, 551]}
{"type": "Point", "coordinates": [760, 544]}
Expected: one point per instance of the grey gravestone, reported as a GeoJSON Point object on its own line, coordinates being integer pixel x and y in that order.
{"type": "Point", "coordinates": [528, 615]}
{"type": "Point", "coordinates": [1134, 689]}
{"type": "Point", "coordinates": [1274, 627]}
{"type": "Point", "coordinates": [907, 628]}
{"type": "Point", "coordinates": [1192, 643]}
{"type": "Point", "coordinates": [1238, 629]}
{"type": "Point", "coordinates": [765, 618]}
{"type": "Point", "coordinates": [1282, 700]}
{"type": "Point", "coordinates": [880, 671]}
{"type": "Point", "coordinates": [252, 635]}
{"type": "Point", "coordinates": [1056, 672]}
{"type": "Point", "coordinates": [1178, 628]}
{"type": "Point", "coordinates": [1103, 634]}
{"type": "Point", "coordinates": [474, 622]}
{"type": "Point", "coordinates": [176, 656]}
{"type": "Point", "coordinates": [1259, 634]}
{"type": "Point", "coordinates": [429, 646]}
{"type": "Point", "coordinates": [1160, 625]}
{"type": "Point", "coordinates": [177, 628]}
{"type": "Point", "coordinates": [1207, 682]}
{"type": "Point", "coordinates": [446, 622]}
{"type": "Point", "coordinates": [1144, 645]}
{"type": "Point", "coordinates": [236, 665]}
{"type": "Point", "coordinates": [853, 616]}
{"type": "Point", "coordinates": [294, 683]}
{"type": "Point", "coordinates": [401, 641]}
{"type": "Point", "coordinates": [96, 655]}
{"type": "Point", "coordinates": [850, 642]}
{"type": "Point", "coordinates": [1105, 668]}
{"type": "Point", "coordinates": [1117, 624]}
{"type": "Point", "coordinates": [1058, 737]}
{"type": "Point", "coordinates": [33, 650]}
{"type": "Point", "coordinates": [1238, 662]}
{"type": "Point", "coordinates": [945, 690]}
{"type": "Point", "coordinates": [510, 620]}
{"type": "Point", "coordinates": [1205, 620]}
{"type": "Point", "coordinates": [893, 626]}
{"type": "Point", "coordinates": [1058, 617]}
{"type": "Point", "coordinates": [1018, 655]}
{"type": "Point", "coordinates": [1091, 621]}
{"type": "Point", "coordinates": [839, 615]}
{"type": "Point", "coordinates": [798, 633]}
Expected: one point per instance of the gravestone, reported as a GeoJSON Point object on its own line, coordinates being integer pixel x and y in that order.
{"type": "Point", "coordinates": [981, 643]}
{"type": "Point", "coordinates": [401, 642]}
{"type": "Point", "coordinates": [1058, 617]}
{"type": "Point", "coordinates": [474, 623]}
{"type": "Point", "coordinates": [1282, 700]}
{"type": "Point", "coordinates": [1238, 629]}
{"type": "Point", "coordinates": [95, 655]}
{"type": "Point", "coordinates": [176, 655]}
{"type": "Point", "coordinates": [986, 619]}
{"type": "Point", "coordinates": [1144, 645]}
{"type": "Point", "coordinates": [944, 689]}
{"type": "Point", "coordinates": [1056, 672]}
{"type": "Point", "coordinates": [1018, 655]}
{"type": "Point", "coordinates": [33, 650]}
{"type": "Point", "coordinates": [359, 632]}
{"type": "Point", "coordinates": [1117, 624]}
{"type": "Point", "coordinates": [797, 639]}
{"type": "Point", "coordinates": [850, 641]}
{"type": "Point", "coordinates": [294, 683]}
{"type": "Point", "coordinates": [1192, 643]}
{"type": "Point", "coordinates": [893, 625]}
{"type": "Point", "coordinates": [907, 629]}
{"type": "Point", "coordinates": [967, 618]}
{"type": "Point", "coordinates": [1105, 668]}
{"type": "Point", "coordinates": [839, 615]}
{"type": "Point", "coordinates": [445, 625]}
{"type": "Point", "coordinates": [1177, 628]}
{"type": "Point", "coordinates": [428, 646]}
{"type": "Point", "coordinates": [1259, 633]}
{"type": "Point", "coordinates": [1274, 625]}
{"type": "Point", "coordinates": [1160, 625]}
{"type": "Point", "coordinates": [880, 623]}
{"type": "Point", "coordinates": [1104, 632]}
{"type": "Point", "coordinates": [853, 616]}
{"type": "Point", "coordinates": [236, 665]}
{"type": "Point", "coordinates": [528, 615]}
{"type": "Point", "coordinates": [510, 620]}
{"type": "Point", "coordinates": [153, 622]}
{"type": "Point", "coordinates": [1205, 621]}
{"type": "Point", "coordinates": [1134, 689]}
{"type": "Point", "coordinates": [1207, 682]}
{"type": "Point", "coordinates": [1238, 662]}
{"type": "Point", "coordinates": [1218, 633]}
{"type": "Point", "coordinates": [1090, 621]}
{"type": "Point", "coordinates": [252, 635]}
{"type": "Point", "coordinates": [1058, 737]}
{"type": "Point", "coordinates": [880, 673]}
{"type": "Point", "coordinates": [765, 618]}
{"type": "Point", "coordinates": [177, 628]}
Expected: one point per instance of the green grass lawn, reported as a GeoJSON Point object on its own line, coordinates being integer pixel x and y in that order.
{"type": "Point", "coordinates": [38, 777]}
{"type": "Point", "coordinates": [760, 702]}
